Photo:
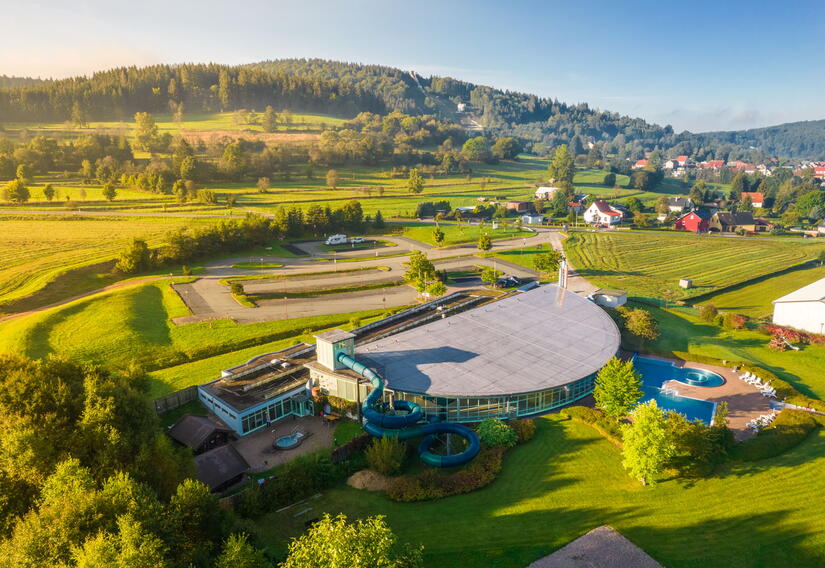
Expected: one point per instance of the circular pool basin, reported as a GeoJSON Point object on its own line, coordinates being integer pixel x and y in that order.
{"type": "Point", "coordinates": [700, 378]}
{"type": "Point", "coordinates": [288, 442]}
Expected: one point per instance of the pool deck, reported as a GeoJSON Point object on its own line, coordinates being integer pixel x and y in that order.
{"type": "Point", "coordinates": [745, 402]}
{"type": "Point", "coordinates": [257, 450]}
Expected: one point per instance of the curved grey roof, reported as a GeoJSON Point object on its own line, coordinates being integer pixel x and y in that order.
{"type": "Point", "coordinates": [533, 341]}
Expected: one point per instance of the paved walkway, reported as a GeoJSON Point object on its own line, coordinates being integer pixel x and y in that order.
{"type": "Point", "coordinates": [603, 547]}
{"type": "Point", "coordinates": [257, 450]}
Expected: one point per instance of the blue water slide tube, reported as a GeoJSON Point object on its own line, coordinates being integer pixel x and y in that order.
{"type": "Point", "coordinates": [404, 426]}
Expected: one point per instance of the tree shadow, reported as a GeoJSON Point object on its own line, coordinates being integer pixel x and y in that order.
{"type": "Point", "coordinates": [148, 317]}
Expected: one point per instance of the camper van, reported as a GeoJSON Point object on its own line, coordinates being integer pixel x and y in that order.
{"type": "Point", "coordinates": [337, 240]}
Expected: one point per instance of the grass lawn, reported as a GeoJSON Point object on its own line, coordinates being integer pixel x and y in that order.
{"type": "Point", "coordinates": [251, 265]}
{"type": "Point", "coordinates": [455, 234]}
{"type": "Point", "coordinates": [36, 253]}
{"type": "Point", "coordinates": [346, 430]}
{"type": "Point", "coordinates": [648, 264]}
{"type": "Point", "coordinates": [569, 480]}
{"type": "Point", "coordinates": [754, 300]}
{"type": "Point", "coordinates": [366, 245]}
{"type": "Point", "coordinates": [526, 256]}
{"type": "Point", "coordinates": [97, 328]}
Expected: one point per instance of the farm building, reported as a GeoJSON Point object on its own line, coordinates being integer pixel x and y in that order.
{"type": "Point", "coordinates": [697, 221]}
{"type": "Point", "coordinates": [602, 213]}
{"type": "Point", "coordinates": [519, 206]}
{"type": "Point", "coordinates": [546, 192]}
{"type": "Point", "coordinates": [728, 222]}
{"type": "Point", "coordinates": [802, 309]}
{"type": "Point", "coordinates": [199, 433]}
{"type": "Point", "coordinates": [221, 468]}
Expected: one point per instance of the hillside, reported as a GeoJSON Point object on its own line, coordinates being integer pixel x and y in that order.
{"type": "Point", "coordinates": [346, 89]}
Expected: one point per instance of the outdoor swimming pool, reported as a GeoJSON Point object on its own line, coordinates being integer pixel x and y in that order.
{"type": "Point", "coordinates": [655, 373]}
{"type": "Point", "coordinates": [290, 441]}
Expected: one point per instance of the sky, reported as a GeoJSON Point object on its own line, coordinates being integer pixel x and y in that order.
{"type": "Point", "coordinates": [701, 65]}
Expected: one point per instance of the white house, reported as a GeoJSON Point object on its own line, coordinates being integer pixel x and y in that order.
{"type": "Point", "coordinates": [679, 204]}
{"type": "Point", "coordinates": [532, 219]}
{"type": "Point", "coordinates": [803, 309]}
{"type": "Point", "coordinates": [460, 107]}
{"type": "Point", "coordinates": [602, 213]}
{"type": "Point", "coordinates": [546, 192]}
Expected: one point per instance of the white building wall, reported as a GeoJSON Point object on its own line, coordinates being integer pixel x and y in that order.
{"type": "Point", "coordinates": [807, 316]}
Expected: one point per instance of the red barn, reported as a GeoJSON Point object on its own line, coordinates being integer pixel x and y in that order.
{"type": "Point", "coordinates": [695, 221]}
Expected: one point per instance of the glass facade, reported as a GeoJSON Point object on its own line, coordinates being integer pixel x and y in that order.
{"type": "Point", "coordinates": [476, 409]}
{"type": "Point", "coordinates": [272, 412]}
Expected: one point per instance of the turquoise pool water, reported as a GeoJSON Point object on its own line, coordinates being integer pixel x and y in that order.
{"type": "Point", "coordinates": [655, 373]}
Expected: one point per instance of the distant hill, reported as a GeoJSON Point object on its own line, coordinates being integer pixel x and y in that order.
{"type": "Point", "coordinates": [6, 81]}
{"type": "Point", "coordinates": [346, 89]}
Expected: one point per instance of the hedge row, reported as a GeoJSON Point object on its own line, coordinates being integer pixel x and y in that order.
{"type": "Point", "coordinates": [789, 429]}
{"type": "Point", "coordinates": [608, 428]}
{"type": "Point", "coordinates": [433, 484]}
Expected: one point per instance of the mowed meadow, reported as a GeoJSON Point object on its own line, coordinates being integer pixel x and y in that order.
{"type": "Point", "coordinates": [651, 264]}
{"type": "Point", "coordinates": [35, 252]}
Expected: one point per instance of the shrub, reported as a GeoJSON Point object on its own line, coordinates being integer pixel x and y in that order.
{"type": "Point", "coordinates": [734, 321]}
{"type": "Point", "coordinates": [494, 432]}
{"type": "Point", "coordinates": [608, 428]}
{"type": "Point", "coordinates": [347, 450]}
{"type": "Point", "coordinates": [708, 312]}
{"type": "Point", "coordinates": [788, 430]}
{"type": "Point", "coordinates": [524, 429]}
{"type": "Point", "coordinates": [777, 343]}
{"type": "Point", "coordinates": [385, 455]}
{"type": "Point", "coordinates": [236, 288]}
{"type": "Point", "coordinates": [433, 484]}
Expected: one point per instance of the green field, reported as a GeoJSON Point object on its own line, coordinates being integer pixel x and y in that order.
{"type": "Point", "coordinates": [525, 257]}
{"type": "Point", "coordinates": [133, 325]}
{"type": "Point", "coordinates": [455, 234]}
{"type": "Point", "coordinates": [754, 300]}
{"type": "Point", "coordinates": [569, 480]}
{"type": "Point", "coordinates": [39, 252]}
{"type": "Point", "coordinates": [648, 264]}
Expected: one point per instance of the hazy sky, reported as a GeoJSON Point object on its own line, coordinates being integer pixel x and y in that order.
{"type": "Point", "coordinates": [697, 65]}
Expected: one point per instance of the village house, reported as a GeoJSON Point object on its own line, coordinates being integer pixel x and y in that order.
{"type": "Point", "coordinates": [729, 222]}
{"type": "Point", "coordinates": [532, 219]}
{"type": "Point", "coordinates": [602, 213]}
{"type": "Point", "coordinates": [679, 204]}
{"type": "Point", "coordinates": [546, 192]}
{"type": "Point", "coordinates": [757, 198]}
{"type": "Point", "coordinates": [697, 221]}
{"type": "Point", "coordinates": [640, 164]}
{"type": "Point", "coordinates": [519, 206]}
{"type": "Point", "coordinates": [712, 164]}
{"type": "Point", "coordinates": [819, 172]}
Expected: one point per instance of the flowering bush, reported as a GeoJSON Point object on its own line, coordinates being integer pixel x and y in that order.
{"type": "Point", "coordinates": [794, 335]}
{"type": "Point", "coordinates": [778, 344]}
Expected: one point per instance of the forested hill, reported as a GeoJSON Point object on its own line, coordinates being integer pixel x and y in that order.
{"type": "Point", "coordinates": [804, 139]}
{"type": "Point", "coordinates": [345, 89]}
{"type": "Point", "coordinates": [6, 81]}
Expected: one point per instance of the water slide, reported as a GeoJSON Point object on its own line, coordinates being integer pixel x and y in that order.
{"type": "Point", "coordinates": [402, 426]}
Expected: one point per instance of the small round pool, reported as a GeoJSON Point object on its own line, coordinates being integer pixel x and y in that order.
{"type": "Point", "coordinates": [700, 378]}
{"type": "Point", "coordinates": [288, 442]}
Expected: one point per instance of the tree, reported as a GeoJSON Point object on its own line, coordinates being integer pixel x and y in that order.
{"type": "Point", "coordinates": [48, 192]}
{"type": "Point", "coordinates": [609, 180]}
{"type": "Point", "coordinates": [109, 191]}
{"type": "Point", "coordinates": [263, 184]}
{"type": "Point", "coordinates": [378, 221]}
{"type": "Point", "coordinates": [146, 131]}
{"type": "Point", "coordinates": [438, 237]}
{"type": "Point", "coordinates": [489, 275]}
{"type": "Point", "coordinates": [136, 258]}
{"type": "Point", "coordinates": [495, 432]}
{"type": "Point", "coordinates": [385, 455]}
{"type": "Point", "coordinates": [16, 192]}
{"type": "Point", "coordinates": [188, 167]}
{"type": "Point", "coordinates": [618, 388]}
{"type": "Point", "coordinates": [484, 242]}
{"type": "Point", "coordinates": [476, 150]}
{"type": "Point", "coordinates": [270, 120]}
{"type": "Point", "coordinates": [738, 185]}
{"type": "Point", "coordinates": [640, 323]}
{"type": "Point", "coordinates": [747, 204]}
{"type": "Point", "coordinates": [332, 179]}
{"type": "Point", "coordinates": [697, 192]}
{"type": "Point", "coordinates": [238, 553]}
{"type": "Point", "coordinates": [420, 271]}
{"type": "Point", "coordinates": [506, 148]}
{"type": "Point", "coordinates": [562, 167]}
{"type": "Point", "coordinates": [333, 542]}
{"type": "Point", "coordinates": [548, 262]}
{"type": "Point", "coordinates": [78, 116]}
{"type": "Point", "coordinates": [634, 204]}
{"type": "Point", "coordinates": [415, 182]}
{"type": "Point", "coordinates": [647, 445]}
{"type": "Point", "coordinates": [437, 289]}
{"type": "Point", "coordinates": [640, 220]}
{"type": "Point", "coordinates": [24, 174]}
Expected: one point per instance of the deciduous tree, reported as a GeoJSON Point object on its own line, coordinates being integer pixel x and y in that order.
{"type": "Point", "coordinates": [647, 445]}
{"type": "Point", "coordinates": [618, 388]}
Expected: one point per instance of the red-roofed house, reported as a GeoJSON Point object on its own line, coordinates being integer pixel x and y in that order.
{"type": "Point", "coordinates": [712, 164]}
{"type": "Point", "coordinates": [683, 160]}
{"type": "Point", "coordinates": [819, 172]}
{"type": "Point", "coordinates": [757, 198]}
{"type": "Point", "coordinates": [640, 164]}
{"type": "Point", "coordinates": [602, 213]}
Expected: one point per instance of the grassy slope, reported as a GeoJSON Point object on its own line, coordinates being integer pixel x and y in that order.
{"type": "Point", "coordinates": [646, 264]}
{"type": "Point", "coordinates": [34, 252]}
{"type": "Point", "coordinates": [755, 300]}
{"type": "Point", "coordinates": [568, 480]}
{"type": "Point", "coordinates": [133, 324]}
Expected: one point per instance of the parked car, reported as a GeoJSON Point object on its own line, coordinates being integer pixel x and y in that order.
{"type": "Point", "coordinates": [336, 240]}
{"type": "Point", "coordinates": [357, 240]}
{"type": "Point", "coordinates": [508, 281]}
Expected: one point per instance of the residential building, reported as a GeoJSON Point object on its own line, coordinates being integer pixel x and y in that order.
{"type": "Point", "coordinates": [697, 221]}
{"type": "Point", "coordinates": [546, 192]}
{"type": "Point", "coordinates": [519, 206]}
{"type": "Point", "coordinates": [802, 309]}
{"type": "Point", "coordinates": [679, 204]}
{"type": "Point", "coordinates": [757, 198]}
{"type": "Point", "coordinates": [640, 164]}
{"type": "Point", "coordinates": [199, 433]}
{"type": "Point", "coordinates": [712, 164]}
{"type": "Point", "coordinates": [729, 222]}
{"type": "Point", "coordinates": [601, 212]}
{"type": "Point", "coordinates": [532, 219]}
{"type": "Point", "coordinates": [819, 172]}
{"type": "Point", "coordinates": [221, 468]}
